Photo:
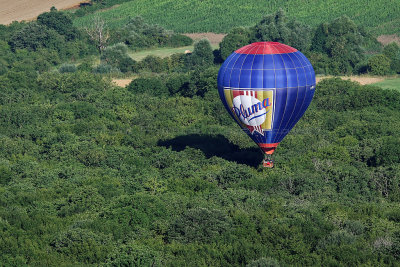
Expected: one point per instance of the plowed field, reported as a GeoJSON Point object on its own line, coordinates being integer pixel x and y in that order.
{"type": "Point", "coordinates": [17, 10]}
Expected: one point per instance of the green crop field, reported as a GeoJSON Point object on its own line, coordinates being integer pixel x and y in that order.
{"type": "Point", "coordinates": [389, 84]}
{"type": "Point", "coordinates": [379, 17]}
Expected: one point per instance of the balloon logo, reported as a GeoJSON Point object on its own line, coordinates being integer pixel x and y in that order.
{"type": "Point", "coordinates": [266, 87]}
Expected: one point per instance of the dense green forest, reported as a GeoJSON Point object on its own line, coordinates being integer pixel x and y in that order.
{"type": "Point", "coordinates": [158, 174]}
{"type": "Point", "coordinates": [379, 17]}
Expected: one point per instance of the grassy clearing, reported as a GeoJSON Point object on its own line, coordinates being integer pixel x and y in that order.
{"type": "Point", "coordinates": [161, 52]}
{"type": "Point", "coordinates": [391, 83]}
{"type": "Point", "coordinates": [379, 17]}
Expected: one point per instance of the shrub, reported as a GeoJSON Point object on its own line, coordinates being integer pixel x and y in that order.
{"type": "Point", "coordinates": [177, 40]}
{"type": "Point", "coordinates": [85, 66]}
{"type": "Point", "coordinates": [67, 68]}
{"type": "Point", "coordinates": [117, 57]}
{"type": "Point", "coordinates": [105, 68]}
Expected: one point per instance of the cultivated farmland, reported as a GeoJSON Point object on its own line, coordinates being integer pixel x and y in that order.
{"type": "Point", "coordinates": [17, 10]}
{"type": "Point", "coordinates": [379, 17]}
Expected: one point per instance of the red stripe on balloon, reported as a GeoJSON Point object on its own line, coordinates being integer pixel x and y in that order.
{"type": "Point", "coordinates": [268, 148]}
{"type": "Point", "coordinates": [266, 48]}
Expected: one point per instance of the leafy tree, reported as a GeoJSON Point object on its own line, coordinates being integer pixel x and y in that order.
{"type": "Point", "coordinates": [204, 81]}
{"type": "Point", "coordinates": [5, 173]}
{"type": "Point", "coordinates": [35, 36]}
{"type": "Point", "coordinates": [59, 22]}
{"type": "Point", "coordinates": [84, 245]}
{"type": "Point", "coordinates": [392, 52]}
{"type": "Point", "coordinates": [273, 27]}
{"type": "Point", "coordinates": [276, 28]}
{"type": "Point", "coordinates": [199, 225]}
{"type": "Point", "coordinates": [138, 34]}
{"type": "Point", "coordinates": [235, 39]}
{"type": "Point", "coordinates": [379, 64]}
{"type": "Point", "coordinates": [202, 55]}
{"type": "Point", "coordinates": [133, 254]}
{"type": "Point", "coordinates": [341, 41]}
{"type": "Point", "coordinates": [177, 40]}
{"type": "Point", "coordinates": [152, 86]}
{"type": "Point", "coordinates": [112, 55]}
{"type": "Point", "coordinates": [176, 62]}
{"type": "Point", "coordinates": [388, 153]}
{"type": "Point", "coordinates": [83, 199]}
{"type": "Point", "coordinates": [117, 56]}
{"type": "Point", "coordinates": [319, 38]}
{"type": "Point", "coordinates": [177, 82]}
{"type": "Point", "coordinates": [153, 64]}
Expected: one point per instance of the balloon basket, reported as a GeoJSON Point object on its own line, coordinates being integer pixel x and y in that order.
{"type": "Point", "coordinates": [268, 162]}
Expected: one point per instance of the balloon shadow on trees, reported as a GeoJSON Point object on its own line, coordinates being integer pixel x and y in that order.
{"type": "Point", "coordinates": [217, 146]}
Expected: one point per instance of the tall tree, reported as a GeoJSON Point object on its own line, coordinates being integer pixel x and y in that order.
{"type": "Point", "coordinates": [273, 27]}
{"type": "Point", "coordinates": [35, 36]}
{"type": "Point", "coordinates": [341, 40]}
{"type": "Point", "coordinates": [98, 33]}
{"type": "Point", "coordinates": [236, 38]}
{"type": "Point", "coordinates": [59, 22]}
{"type": "Point", "coordinates": [202, 55]}
{"type": "Point", "coordinates": [277, 28]}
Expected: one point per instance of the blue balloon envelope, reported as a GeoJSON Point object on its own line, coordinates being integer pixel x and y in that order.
{"type": "Point", "coordinates": [266, 87]}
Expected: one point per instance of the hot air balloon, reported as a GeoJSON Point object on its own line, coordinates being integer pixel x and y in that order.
{"type": "Point", "coordinates": [266, 87]}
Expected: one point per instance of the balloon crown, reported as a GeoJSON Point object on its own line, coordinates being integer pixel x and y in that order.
{"type": "Point", "coordinates": [266, 48]}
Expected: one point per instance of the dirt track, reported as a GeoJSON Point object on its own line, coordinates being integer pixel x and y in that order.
{"type": "Point", "coordinates": [214, 38]}
{"type": "Point", "coordinates": [17, 10]}
{"type": "Point", "coordinates": [361, 79]}
{"type": "Point", "coordinates": [387, 39]}
{"type": "Point", "coordinates": [122, 82]}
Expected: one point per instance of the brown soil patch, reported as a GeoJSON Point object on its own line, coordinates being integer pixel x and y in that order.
{"type": "Point", "coordinates": [363, 80]}
{"type": "Point", "coordinates": [122, 82]}
{"type": "Point", "coordinates": [17, 10]}
{"type": "Point", "coordinates": [387, 39]}
{"type": "Point", "coordinates": [214, 38]}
